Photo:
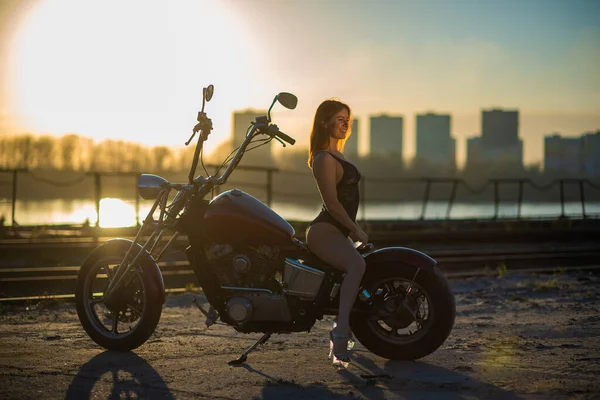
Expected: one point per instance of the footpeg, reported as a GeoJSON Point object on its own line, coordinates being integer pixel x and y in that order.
{"type": "Point", "coordinates": [211, 315]}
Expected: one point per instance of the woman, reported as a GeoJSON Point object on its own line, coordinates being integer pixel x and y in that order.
{"type": "Point", "coordinates": [327, 236]}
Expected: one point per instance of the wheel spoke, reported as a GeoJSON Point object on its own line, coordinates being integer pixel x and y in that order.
{"type": "Point", "coordinates": [134, 308]}
{"type": "Point", "coordinates": [108, 272]}
{"type": "Point", "coordinates": [115, 321]}
{"type": "Point", "coordinates": [388, 288]}
{"type": "Point", "coordinates": [420, 321]}
{"type": "Point", "coordinates": [97, 300]}
{"type": "Point", "coordinates": [412, 313]}
{"type": "Point", "coordinates": [395, 328]}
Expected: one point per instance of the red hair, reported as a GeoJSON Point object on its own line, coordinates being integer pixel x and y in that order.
{"type": "Point", "coordinates": [320, 134]}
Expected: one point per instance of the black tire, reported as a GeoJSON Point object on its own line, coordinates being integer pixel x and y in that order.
{"type": "Point", "coordinates": [442, 307]}
{"type": "Point", "coordinates": [149, 293]}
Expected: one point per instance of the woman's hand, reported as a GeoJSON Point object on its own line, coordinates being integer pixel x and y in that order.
{"type": "Point", "coordinates": [358, 235]}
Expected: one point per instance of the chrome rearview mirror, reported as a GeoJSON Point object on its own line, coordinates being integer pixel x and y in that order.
{"type": "Point", "coordinates": [287, 100]}
{"type": "Point", "coordinates": [208, 92]}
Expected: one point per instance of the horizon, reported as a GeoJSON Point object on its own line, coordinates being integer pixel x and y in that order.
{"type": "Point", "coordinates": [409, 57]}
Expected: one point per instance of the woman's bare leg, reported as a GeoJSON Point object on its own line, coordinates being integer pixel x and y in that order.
{"type": "Point", "coordinates": [328, 243]}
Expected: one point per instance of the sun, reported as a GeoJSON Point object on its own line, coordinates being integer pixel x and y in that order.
{"type": "Point", "coordinates": [132, 70]}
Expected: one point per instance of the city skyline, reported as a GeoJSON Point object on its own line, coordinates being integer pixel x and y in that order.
{"type": "Point", "coordinates": [63, 72]}
{"type": "Point", "coordinates": [435, 143]}
{"type": "Point", "coordinates": [497, 142]}
{"type": "Point", "coordinates": [386, 135]}
{"type": "Point", "coordinates": [351, 145]}
{"type": "Point", "coordinates": [578, 155]}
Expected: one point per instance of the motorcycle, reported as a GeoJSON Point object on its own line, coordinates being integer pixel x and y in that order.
{"type": "Point", "coordinates": [256, 276]}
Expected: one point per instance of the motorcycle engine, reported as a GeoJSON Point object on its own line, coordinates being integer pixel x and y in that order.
{"type": "Point", "coordinates": [249, 267]}
{"type": "Point", "coordinates": [244, 307]}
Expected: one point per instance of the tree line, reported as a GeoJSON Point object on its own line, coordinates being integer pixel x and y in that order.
{"type": "Point", "coordinates": [76, 153]}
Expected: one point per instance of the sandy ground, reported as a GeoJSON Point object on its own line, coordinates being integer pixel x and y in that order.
{"type": "Point", "coordinates": [516, 336]}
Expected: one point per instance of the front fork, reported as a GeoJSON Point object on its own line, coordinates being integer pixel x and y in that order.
{"type": "Point", "coordinates": [125, 273]}
{"type": "Point", "coordinates": [126, 269]}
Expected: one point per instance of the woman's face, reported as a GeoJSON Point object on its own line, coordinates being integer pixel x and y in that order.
{"type": "Point", "coordinates": [339, 124]}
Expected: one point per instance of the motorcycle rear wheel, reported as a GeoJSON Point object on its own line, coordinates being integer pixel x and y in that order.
{"type": "Point", "coordinates": [140, 302]}
{"type": "Point", "coordinates": [401, 324]}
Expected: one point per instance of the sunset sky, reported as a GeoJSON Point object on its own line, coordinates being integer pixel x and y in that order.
{"type": "Point", "coordinates": [134, 69]}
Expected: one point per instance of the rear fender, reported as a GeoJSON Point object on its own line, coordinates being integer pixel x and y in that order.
{"type": "Point", "coordinates": [150, 267]}
{"type": "Point", "coordinates": [402, 255]}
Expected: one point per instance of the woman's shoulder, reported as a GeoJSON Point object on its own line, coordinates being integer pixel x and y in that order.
{"type": "Point", "coordinates": [324, 159]}
{"type": "Point", "coordinates": [323, 155]}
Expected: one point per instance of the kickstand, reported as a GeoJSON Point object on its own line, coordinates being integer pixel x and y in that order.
{"type": "Point", "coordinates": [244, 357]}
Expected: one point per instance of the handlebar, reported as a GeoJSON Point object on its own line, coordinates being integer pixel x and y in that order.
{"type": "Point", "coordinates": [274, 130]}
{"type": "Point", "coordinates": [261, 125]}
{"type": "Point", "coordinates": [237, 158]}
{"type": "Point", "coordinates": [204, 125]}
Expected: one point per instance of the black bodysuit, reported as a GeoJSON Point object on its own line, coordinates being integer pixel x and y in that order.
{"type": "Point", "coordinates": [348, 195]}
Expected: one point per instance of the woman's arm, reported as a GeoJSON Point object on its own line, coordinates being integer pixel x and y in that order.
{"type": "Point", "coordinates": [324, 171]}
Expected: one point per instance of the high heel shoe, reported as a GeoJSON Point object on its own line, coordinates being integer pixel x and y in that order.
{"type": "Point", "coordinates": [338, 347]}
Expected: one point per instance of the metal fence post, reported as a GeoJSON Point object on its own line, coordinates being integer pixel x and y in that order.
{"type": "Point", "coordinates": [562, 198]}
{"type": "Point", "coordinates": [425, 198]}
{"type": "Point", "coordinates": [137, 203]}
{"type": "Point", "coordinates": [452, 196]}
{"type": "Point", "coordinates": [98, 195]}
{"type": "Point", "coordinates": [582, 195]}
{"type": "Point", "coordinates": [496, 198]}
{"type": "Point", "coordinates": [520, 199]}
{"type": "Point", "coordinates": [14, 197]}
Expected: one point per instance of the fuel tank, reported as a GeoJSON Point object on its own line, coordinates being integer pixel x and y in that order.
{"type": "Point", "coordinates": [236, 217]}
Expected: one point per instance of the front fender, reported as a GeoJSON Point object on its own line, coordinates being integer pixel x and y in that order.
{"type": "Point", "coordinates": [147, 262]}
{"type": "Point", "coordinates": [402, 255]}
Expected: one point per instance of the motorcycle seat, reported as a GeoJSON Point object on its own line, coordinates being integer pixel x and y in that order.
{"type": "Point", "coordinates": [363, 249]}
{"type": "Point", "coordinates": [313, 260]}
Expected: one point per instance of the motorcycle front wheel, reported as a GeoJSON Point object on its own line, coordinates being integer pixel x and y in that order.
{"type": "Point", "coordinates": [404, 319]}
{"type": "Point", "coordinates": [134, 317]}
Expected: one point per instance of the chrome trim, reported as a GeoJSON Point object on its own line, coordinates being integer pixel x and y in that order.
{"type": "Point", "coordinates": [245, 289]}
{"type": "Point", "coordinates": [334, 291]}
{"type": "Point", "coordinates": [301, 280]}
{"type": "Point", "coordinates": [297, 264]}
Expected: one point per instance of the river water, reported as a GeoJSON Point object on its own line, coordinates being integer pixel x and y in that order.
{"type": "Point", "coordinates": [116, 212]}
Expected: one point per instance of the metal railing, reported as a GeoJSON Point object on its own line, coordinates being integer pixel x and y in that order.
{"type": "Point", "coordinates": [496, 183]}
{"type": "Point", "coordinates": [268, 188]}
{"type": "Point", "coordinates": [98, 184]}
